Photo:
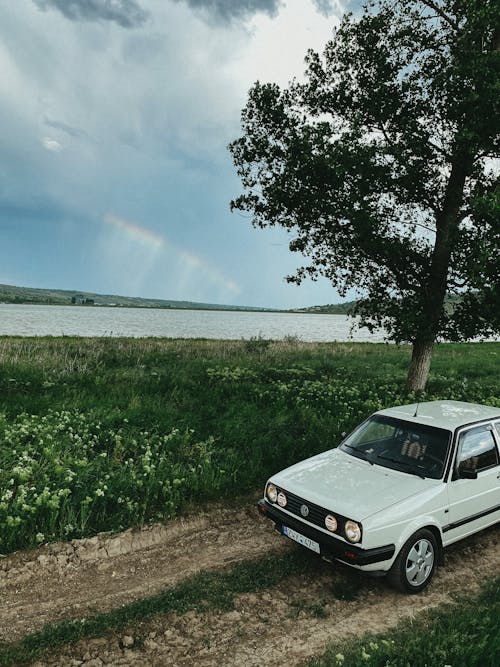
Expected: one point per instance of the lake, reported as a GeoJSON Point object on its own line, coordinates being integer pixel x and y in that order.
{"type": "Point", "coordinates": [34, 320]}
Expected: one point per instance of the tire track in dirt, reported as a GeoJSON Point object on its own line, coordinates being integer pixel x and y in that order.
{"type": "Point", "coordinates": [377, 608]}
{"type": "Point", "coordinates": [69, 580]}
{"type": "Point", "coordinates": [98, 574]}
{"type": "Point", "coordinates": [282, 623]}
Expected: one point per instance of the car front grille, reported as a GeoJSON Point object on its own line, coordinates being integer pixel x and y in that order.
{"type": "Point", "coordinates": [316, 514]}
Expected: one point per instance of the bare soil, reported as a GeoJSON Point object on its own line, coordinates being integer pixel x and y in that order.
{"type": "Point", "coordinates": [292, 621]}
{"type": "Point", "coordinates": [73, 579]}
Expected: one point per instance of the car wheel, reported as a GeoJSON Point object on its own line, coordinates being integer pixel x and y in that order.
{"type": "Point", "coordinates": [414, 567]}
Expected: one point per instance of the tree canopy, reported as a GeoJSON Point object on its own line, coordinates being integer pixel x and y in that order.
{"type": "Point", "coordinates": [384, 164]}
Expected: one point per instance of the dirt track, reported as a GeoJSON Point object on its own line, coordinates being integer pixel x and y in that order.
{"type": "Point", "coordinates": [72, 580]}
{"type": "Point", "coordinates": [67, 580]}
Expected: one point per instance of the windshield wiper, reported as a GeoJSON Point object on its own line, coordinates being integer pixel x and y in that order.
{"type": "Point", "coordinates": [359, 454]}
{"type": "Point", "coordinates": [404, 464]}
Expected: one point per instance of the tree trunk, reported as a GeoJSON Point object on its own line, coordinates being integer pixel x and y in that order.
{"type": "Point", "coordinates": [447, 222]}
{"type": "Point", "coordinates": [420, 364]}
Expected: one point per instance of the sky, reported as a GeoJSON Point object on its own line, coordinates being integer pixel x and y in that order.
{"type": "Point", "coordinates": [115, 175]}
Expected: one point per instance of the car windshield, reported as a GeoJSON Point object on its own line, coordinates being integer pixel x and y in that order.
{"type": "Point", "coordinates": [416, 449]}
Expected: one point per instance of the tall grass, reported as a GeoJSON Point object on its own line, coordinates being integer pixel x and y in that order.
{"type": "Point", "coordinates": [163, 422]}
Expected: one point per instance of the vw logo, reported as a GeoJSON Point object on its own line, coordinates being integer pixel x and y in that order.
{"type": "Point", "coordinates": [304, 510]}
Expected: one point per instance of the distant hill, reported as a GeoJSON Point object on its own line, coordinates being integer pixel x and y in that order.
{"type": "Point", "coordinates": [58, 297]}
{"type": "Point", "coordinates": [330, 308]}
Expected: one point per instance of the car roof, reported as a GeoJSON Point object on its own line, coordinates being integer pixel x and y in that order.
{"type": "Point", "coordinates": [443, 414]}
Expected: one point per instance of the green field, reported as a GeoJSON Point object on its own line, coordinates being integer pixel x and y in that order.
{"type": "Point", "coordinates": [102, 434]}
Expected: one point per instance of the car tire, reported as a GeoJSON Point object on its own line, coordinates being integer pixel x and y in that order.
{"type": "Point", "coordinates": [415, 564]}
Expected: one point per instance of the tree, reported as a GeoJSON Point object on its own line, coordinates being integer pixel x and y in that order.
{"type": "Point", "coordinates": [383, 163]}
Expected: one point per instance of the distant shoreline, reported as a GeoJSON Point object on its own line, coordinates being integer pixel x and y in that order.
{"type": "Point", "coordinates": [144, 307]}
{"type": "Point", "coordinates": [222, 309]}
{"type": "Point", "coordinates": [34, 296]}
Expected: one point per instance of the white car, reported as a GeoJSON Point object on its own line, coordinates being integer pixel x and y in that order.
{"type": "Point", "coordinates": [406, 483]}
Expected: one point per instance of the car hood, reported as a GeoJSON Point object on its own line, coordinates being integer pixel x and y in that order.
{"type": "Point", "coordinates": [349, 486]}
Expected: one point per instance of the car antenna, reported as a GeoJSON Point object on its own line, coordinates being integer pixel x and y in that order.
{"type": "Point", "coordinates": [416, 409]}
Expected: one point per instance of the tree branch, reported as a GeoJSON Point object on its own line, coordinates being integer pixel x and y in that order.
{"type": "Point", "coordinates": [433, 5]}
{"type": "Point", "coordinates": [440, 150]}
{"type": "Point", "coordinates": [495, 42]}
{"type": "Point", "coordinates": [456, 283]}
{"type": "Point", "coordinates": [421, 224]}
{"type": "Point", "coordinates": [380, 127]}
{"type": "Point", "coordinates": [386, 136]}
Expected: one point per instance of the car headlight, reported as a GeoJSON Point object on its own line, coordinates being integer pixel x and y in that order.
{"type": "Point", "coordinates": [281, 499]}
{"type": "Point", "coordinates": [352, 531]}
{"type": "Point", "coordinates": [331, 522]}
{"type": "Point", "coordinates": [272, 492]}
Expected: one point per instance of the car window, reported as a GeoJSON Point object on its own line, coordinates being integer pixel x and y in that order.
{"type": "Point", "coordinates": [395, 443]}
{"type": "Point", "coordinates": [477, 449]}
{"type": "Point", "coordinates": [372, 431]}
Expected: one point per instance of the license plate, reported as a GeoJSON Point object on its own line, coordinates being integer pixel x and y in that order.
{"type": "Point", "coordinates": [301, 539]}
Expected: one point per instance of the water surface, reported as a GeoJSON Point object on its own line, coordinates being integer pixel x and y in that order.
{"type": "Point", "coordinates": [34, 320]}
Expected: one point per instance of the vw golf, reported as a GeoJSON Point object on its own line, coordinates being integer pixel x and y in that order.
{"type": "Point", "coordinates": [406, 483]}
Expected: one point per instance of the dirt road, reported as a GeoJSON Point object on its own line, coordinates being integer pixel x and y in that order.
{"type": "Point", "coordinates": [295, 619]}
{"type": "Point", "coordinates": [69, 580]}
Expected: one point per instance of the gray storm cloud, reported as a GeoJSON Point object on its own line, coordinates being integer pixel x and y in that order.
{"type": "Point", "coordinates": [64, 127]}
{"type": "Point", "coordinates": [126, 13]}
{"type": "Point", "coordinates": [326, 7]}
{"type": "Point", "coordinates": [227, 10]}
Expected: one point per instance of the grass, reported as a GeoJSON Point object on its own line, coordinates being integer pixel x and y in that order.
{"type": "Point", "coordinates": [349, 589]}
{"type": "Point", "coordinates": [462, 634]}
{"type": "Point", "coordinates": [204, 592]}
{"type": "Point", "coordinates": [100, 434]}
{"type": "Point", "coordinates": [315, 609]}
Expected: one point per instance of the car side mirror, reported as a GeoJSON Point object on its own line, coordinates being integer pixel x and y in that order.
{"type": "Point", "coordinates": [343, 435]}
{"type": "Point", "coordinates": [467, 473]}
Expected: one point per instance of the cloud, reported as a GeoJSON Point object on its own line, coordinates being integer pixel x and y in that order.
{"type": "Point", "coordinates": [34, 207]}
{"type": "Point", "coordinates": [51, 145]}
{"type": "Point", "coordinates": [226, 11]}
{"type": "Point", "coordinates": [328, 7]}
{"type": "Point", "coordinates": [143, 118]}
{"type": "Point", "coordinates": [64, 127]}
{"type": "Point", "coordinates": [126, 13]}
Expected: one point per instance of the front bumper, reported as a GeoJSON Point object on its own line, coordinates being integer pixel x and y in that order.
{"type": "Point", "coordinates": [330, 547]}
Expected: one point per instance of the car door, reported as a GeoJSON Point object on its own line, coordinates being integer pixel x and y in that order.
{"type": "Point", "coordinates": [474, 483]}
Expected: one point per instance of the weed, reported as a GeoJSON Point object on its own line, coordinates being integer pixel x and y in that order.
{"type": "Point", "coordinates": [315, 609]}
{"type": "Point", "coordinates": [65, 474]}
{"type": "Point", "coordinates": [348, 589]}
{"type": "Point", "coordinates": [257, 344]}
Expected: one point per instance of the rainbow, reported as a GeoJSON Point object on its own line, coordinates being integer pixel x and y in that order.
{"type": "Point", "coordinates": [135, 232]}
{"type": "Point", "coordinates": [156, 242]}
